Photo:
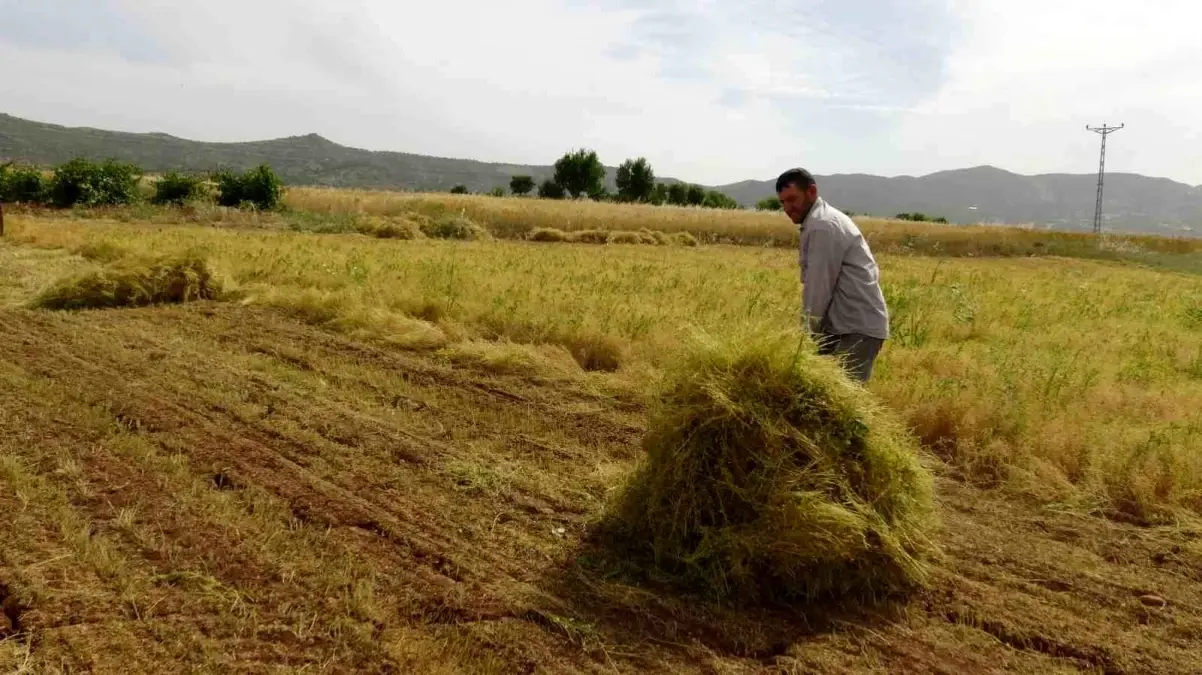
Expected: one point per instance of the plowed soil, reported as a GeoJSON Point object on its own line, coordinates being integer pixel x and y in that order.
{"type": "Point", "coordinates": [218, 488]}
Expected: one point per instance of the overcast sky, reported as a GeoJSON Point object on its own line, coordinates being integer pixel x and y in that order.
{"type": "Point", "coordinates": [711, 91]}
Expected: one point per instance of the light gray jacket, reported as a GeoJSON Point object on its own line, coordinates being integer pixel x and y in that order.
{"type": "Point", "coordinates": [841, 290]}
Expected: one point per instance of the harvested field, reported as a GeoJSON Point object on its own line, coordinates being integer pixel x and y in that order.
{"type": "Point", "coordinates": [236, 485]}
{"type": "Point", "coordinates": [263, 494]}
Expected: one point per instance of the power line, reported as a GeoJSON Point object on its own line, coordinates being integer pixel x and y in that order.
{"type": "Point", "coordinates": [1104, 131]}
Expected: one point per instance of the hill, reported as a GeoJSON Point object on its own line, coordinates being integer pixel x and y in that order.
{"type": "Point", "coordinates": [985, 194]}
{"type": "Point", "coordinates": [306, 160]}
{"type": "Point", "coordinates": [989, 195]}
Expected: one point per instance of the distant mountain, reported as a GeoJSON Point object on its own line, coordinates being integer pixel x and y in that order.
{"type": "Point", "coordinates": [304, 160]}
{"type": "Point", "coordinates": [985, 194]}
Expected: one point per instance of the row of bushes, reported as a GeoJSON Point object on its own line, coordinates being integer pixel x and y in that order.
{"type": "Point", "coordinates": [82, 182]}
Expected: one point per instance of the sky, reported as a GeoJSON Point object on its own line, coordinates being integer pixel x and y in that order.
{"type": "Point", "coordinates": [710, 91]}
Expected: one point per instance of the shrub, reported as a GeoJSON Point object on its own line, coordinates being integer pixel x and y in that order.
{"type": "Point", "coordinates": [678, 194]}
{"type": "Point", "coordinates": [659, 196]}
{"type": "Point", "coordinates": [770, 475]}
{"type": "Point", "coordinates": [24, 185]}
{"type": "Point", "coordinates": [719, 200]}
{"type": "Point", "coordinates": [178, 189]}
{"type": "Point", "coordinates": [551, 190]}
{"type": "Point", "coordinates": [768, 204]}
{"type": "Point", "coordinates": [459, 190]}
{"type": "Point", "coordinates": [913, 217]}
{"type": "Point", "coordinates": [521, 185]}
{"type": "Point", "coordinates": [547, 234]}
{"type": "Point", "coordinates": [498, 192]}
{"type": "Point", "coordinates": [259, 188]}
{"type": "Point", "coordinates": [456, 226]}
{"type": "Point", "coordinates": [84, 183]}
{"type": "Point", "coordinates": [132, 283]}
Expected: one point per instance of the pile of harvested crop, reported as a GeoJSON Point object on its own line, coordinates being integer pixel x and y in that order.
{"type": "Point", "coordinates": [132, 282]}
{"type": "Point", "coordinates": [770, 475]}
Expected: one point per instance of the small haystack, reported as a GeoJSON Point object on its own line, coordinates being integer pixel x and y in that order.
{"type": "Point", "coordinates": [132, 283]}
{"type": "Point", "coordinates": [769, 475]}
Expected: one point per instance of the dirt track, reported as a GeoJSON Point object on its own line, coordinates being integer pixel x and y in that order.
{"type": "Point", "coordinates": [218, 487]}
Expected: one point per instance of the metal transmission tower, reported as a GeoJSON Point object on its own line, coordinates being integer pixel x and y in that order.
{"type": "Point", "coordinates": [1104, 131]}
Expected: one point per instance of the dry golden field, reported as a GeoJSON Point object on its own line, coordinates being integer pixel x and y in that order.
{"type": "Point", "coordinates": [379, 454]}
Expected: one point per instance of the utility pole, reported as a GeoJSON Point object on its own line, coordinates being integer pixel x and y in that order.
{"type": "Point", "coordinates": [1104, 131]}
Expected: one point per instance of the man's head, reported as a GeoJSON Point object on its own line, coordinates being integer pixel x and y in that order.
{"type": "Point", "coordinates": [797, 191]}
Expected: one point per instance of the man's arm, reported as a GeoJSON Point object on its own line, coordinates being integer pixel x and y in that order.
{"type": "Point", "coordinates": [823, 259]}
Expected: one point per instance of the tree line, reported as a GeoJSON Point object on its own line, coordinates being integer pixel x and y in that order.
{"type": "Point", "coordinates": [82, 182]}
{"type": "Point", "coordinates": [580, 173]}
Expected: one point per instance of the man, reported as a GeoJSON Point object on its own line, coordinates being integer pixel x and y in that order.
{"type": "Point", "coordinates": [842, 302]}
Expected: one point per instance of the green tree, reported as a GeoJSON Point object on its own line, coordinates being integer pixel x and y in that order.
{"type": "Point", "coordinates": [459, 190]}
{"type": "Point", "coordinates": [580, 172]}
{"type": "Point", "coordinates": [521, 185]}
{"type": "Point", "coordinates": [24, 185]}
{"type": "Point", "coordinates": [176, 188]}
{"type": "Point", "coordinates": [659, 196]}
{"type": "Point", "coordinates": [678, 194]}
{"type": "Point", "coordinates": [89, 184]}
{"type": "Point", "coordinates": [719, 200]}
{"type": "Point", "coordinates": [260, 188]}
{"type": "Point", "coordinates": [696, 195]}
{"type": "Point", "coordinates": [635, 180]}
{"type": "Point", "coordinates": [551, 190]}
{"type": "Point", "coordinates": [768, 204]}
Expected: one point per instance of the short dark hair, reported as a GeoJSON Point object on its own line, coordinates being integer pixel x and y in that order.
{"type": "Point", "coordinates": [800, 177]}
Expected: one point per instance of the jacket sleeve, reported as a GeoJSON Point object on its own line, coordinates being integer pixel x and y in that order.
{"type": "Point", "coordinates": [822, 259]}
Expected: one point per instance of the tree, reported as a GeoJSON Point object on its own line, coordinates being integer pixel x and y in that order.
{"type": "Point", "coordinates": [696, 195]}
{"type": "Point", "coordinates": [176, 188]}
{"type": "Point", "coordinates": [659, 196]}
{"type": "Point", "coordinates": [580, 173]}
{"type": "Point", "coordinates": [459, 190]}
{"type": "Point", "coordinates": [86, 183]}
{"type": "Point", "coordinates": [718, 200]}
{"type": "Point", "coordinates": [521, 185]}
{"type": "Point", "coordinates": [678, 194]}
{"type": "Point", "coordinates": [21, 185]}
{"type": "Point", "coordinates": [635, 180]}
{"type": "Point", "coordinates": [768, 204]}
{"type": "Point", "coordinates": [550, 190]}
{"type": "Point", "coordinates": [259, 187]}
{"type": "Point", "coordinates": [498, 191]}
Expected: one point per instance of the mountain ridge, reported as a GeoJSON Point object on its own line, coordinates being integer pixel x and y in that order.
{"type": "Point", "coordinates": [978, 194]}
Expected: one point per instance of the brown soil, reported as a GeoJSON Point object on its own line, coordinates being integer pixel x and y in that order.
{"type": "Point", "coordinates": [213, 488]}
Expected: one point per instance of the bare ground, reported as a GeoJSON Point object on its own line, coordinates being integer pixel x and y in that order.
{"type": "Point", "coordinates": [218, 488]}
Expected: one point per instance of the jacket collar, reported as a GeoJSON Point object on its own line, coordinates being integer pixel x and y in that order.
{"type": "Point", "coordinates": [814, 208]}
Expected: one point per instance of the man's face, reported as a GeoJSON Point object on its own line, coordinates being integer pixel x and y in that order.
{"type": "Point", "coordinates": [796, 202]}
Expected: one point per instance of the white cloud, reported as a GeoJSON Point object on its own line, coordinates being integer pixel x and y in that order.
{"type": "Point", "coordinates": [1028, 75]}
{"type": "Point", "coordinates": [714, 93]}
